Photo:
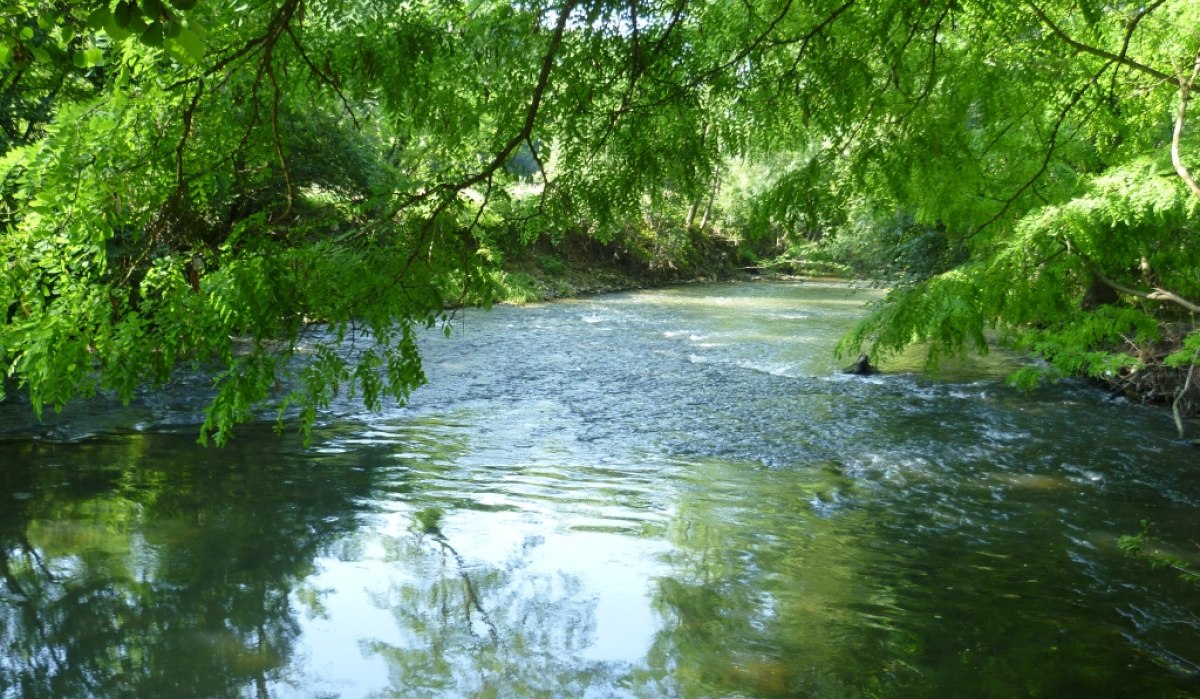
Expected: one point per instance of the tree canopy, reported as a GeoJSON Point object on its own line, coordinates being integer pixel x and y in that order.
{"type": "Point", "coordinates": [199, 184]}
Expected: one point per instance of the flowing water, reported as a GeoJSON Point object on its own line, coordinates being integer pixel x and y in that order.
{"type": "Point", "coordinates": [670, 493]}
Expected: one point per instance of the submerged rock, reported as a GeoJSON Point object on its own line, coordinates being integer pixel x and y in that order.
{"type": "Point", "coordinates": [862, 366]}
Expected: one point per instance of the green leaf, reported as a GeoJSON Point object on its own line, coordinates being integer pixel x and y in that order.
{"type": "Point", "coordinates": [153, 36]}
{"type": "Point", "coordinates": [183, 5]}
{"type": "Point", "coordinates": [98, 18]}
{"type": "Point", "coordinates": [153, 9]}
{"type": "Point", "coordinates": [191, 43]}
{"type": "Point", "coordinates": [1092, 14]}
{"type": "Point", "coordinates": [137, 24]}
{"type": "Point", "coordinates": [115, 30]}
{"type": "Point", "coordinates": [89, 57]}
{"type": "Point", "coordinates": [123, 13]}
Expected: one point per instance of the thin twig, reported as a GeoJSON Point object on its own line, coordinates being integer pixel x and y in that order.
{"type": "Point", "coordinates": [1187, 383]}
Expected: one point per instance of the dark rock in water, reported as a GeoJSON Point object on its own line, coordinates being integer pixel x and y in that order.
{"type": "Point", "coordinates": [862, 367]}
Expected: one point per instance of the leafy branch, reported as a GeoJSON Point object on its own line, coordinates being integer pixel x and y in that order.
{"type": "Point", "coordinates": [1048, 152]}
{"type": "Point", "coordinates": [449, 190]}
{"type": "Point", "coordinates": [1142, 546]}
{"type": "Point", "coordinates": [1120, 58]}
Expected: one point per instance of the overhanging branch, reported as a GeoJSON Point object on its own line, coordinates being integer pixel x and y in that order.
{"type": "Point", "coordinates": [1051, 145]}
{"type": "Point", "coordinates": [1120, 58]}
{"type": "Point", "coordinates": [450, 189]}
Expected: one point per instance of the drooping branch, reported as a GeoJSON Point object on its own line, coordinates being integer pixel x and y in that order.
{"type": "Point", "coordinates": [893, 63]}
{"type": "Point", "coordinates": [448, 191]}
{"type": "Point", "coordinates": [189, 114]}
{"type": "Point", "coordinates": [639, 64]}
{"type": "Point", "coordinates": [813, 33]}
{"type": "Point", "coordinates": [749, 48]}
{"type": "Point", "coordinates": [1051, 145]}
{"type": "Point", "coordinates": [277, 138]}
{"type": "Point", "coordinates": [280, 24]}
{"type": "Point", "coordinates": [1131, 26]}
{"type": "Point", "coordinates": [531, 114]}
{"type": "Point", "coordinates": [932, 77]}
{"type": "Point", "coordinates": [1133, 23]}
{"type": "Point", "coordinates": [1185, 90]}
{"type": "Point", "coordinates": [326, 76]}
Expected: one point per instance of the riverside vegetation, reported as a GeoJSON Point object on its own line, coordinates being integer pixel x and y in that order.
{"type": "Point", "coordinates": [190, 183]}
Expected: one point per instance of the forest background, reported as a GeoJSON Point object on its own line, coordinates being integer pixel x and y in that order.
{"type": "Point", "coordinates": [196, 184]}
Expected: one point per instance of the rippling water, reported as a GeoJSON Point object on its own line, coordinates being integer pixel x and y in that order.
{"type": "Point", "coordinates": [670, 493]}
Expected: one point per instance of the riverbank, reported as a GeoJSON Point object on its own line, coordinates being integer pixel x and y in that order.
{"type": "Point", "coordinates": [1153, 382]}
{"type": "Point", "coordinates": [580, 266]}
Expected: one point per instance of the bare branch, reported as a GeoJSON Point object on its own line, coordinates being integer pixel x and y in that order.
{"type": "Point", "coordinates": [1156, 294]}
{"type": "Point", "coordinates": [1185, 89]}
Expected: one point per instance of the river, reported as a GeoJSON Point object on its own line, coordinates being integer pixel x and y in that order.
{"type": "Point", "coordinates": [668, 493]}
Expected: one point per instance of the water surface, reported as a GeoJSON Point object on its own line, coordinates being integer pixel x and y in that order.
{"type": "Point", "coordinates": [669, 493]}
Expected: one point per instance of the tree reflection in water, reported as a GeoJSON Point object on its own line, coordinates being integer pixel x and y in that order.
{"type": "Point", "coordinates": [161, 569]}
{"type": "Point", "coordinates": [141, 565]}
{"type": "Point", "coordinates": [475, 630]}
{"type": "Point", "coordinates": [761, 577]}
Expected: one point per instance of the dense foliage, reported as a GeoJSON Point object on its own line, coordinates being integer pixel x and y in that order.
{"type": "Point", "coordinates": [189, 183]}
